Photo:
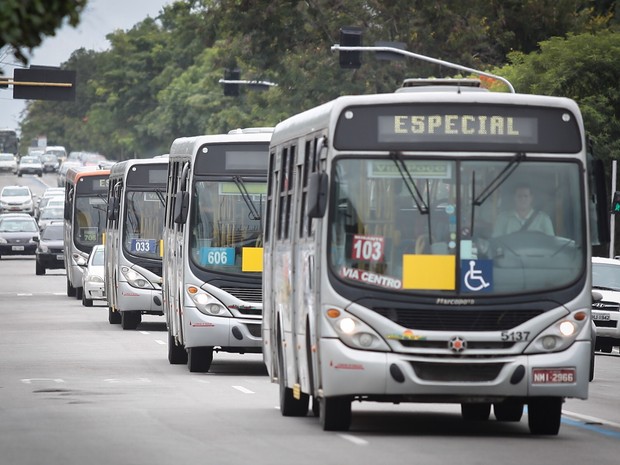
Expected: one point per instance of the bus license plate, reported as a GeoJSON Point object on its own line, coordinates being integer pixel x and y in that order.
{"type": "Point", "coordinates": [17, 247]}
{"type": "Point", "coordinates": [553, 375]}
{"type": "Point", "coordinates": [600, 316]}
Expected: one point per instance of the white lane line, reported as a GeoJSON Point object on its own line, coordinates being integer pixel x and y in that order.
{"type": "Point", "coordinates": [589, 419]}
{"type": "Point", "coordinates": [160, 342]}
{"type": "Point", "coordinates": [59, 293]}
{"type": "Point", "coordinates": [30, 380]}
{"type": "Point", "coordinates": [354, 439]}
{"type": "Point", "coordinates": [244, 390]}
{"type": "Point", "coordinates": [144, 332]}
{"type": "Point", "coordinates": [25, 295]}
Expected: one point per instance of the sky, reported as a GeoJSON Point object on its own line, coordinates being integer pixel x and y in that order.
{"type": "Point", "coordinates": [99, 18]}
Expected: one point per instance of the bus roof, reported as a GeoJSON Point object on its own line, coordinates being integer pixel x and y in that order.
{"type": "Point", "coordinates": [186, 146]}
{"type": "Point", "coordinates": [120, 168]}
{"type": "Point", "coordinates": [75, 173]}
{"type": "Point", "coordinates": [326, 115]}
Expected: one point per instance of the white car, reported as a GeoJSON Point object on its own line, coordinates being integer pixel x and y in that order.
{"type": "Point", "coordinates": [8, 162]}
{"type": "Point", "coordinates": [30, 165]}
{"type": "Point", "coordinates": [92, 278]}
{"type": "Point", "coordinates": [16, 199]}
{"type": "Point", "coordinates": [606, 312]}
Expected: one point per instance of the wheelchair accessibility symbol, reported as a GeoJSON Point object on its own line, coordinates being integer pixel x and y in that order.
{"type": "Point", "coordinates": [477, 275]}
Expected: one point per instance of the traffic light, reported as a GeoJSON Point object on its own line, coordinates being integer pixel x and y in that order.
{"type": "Point", "coordinates": [350, 37]}
{"type": "Point", "coordinates": [615, 203]}
{"type": "Point", "coordinates": [231, 89]}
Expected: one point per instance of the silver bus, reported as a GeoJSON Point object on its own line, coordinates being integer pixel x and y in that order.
{"type": "Point", "coordinates": [134, 241]}
{"type": "Point", "coordinates": [213, 245]}
{"type": "Point", "coordinates": [398, 267]}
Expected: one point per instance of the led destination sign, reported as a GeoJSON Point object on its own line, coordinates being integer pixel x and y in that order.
{"type": "Point", "coordinates": [452, 127]}
{"type": "Point", "coordinates": [463, 127]}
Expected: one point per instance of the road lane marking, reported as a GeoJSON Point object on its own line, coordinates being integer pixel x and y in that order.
{"type": "Point", "coordinates": [591, 420]}
{"type": "Point", "coordinates": [354, 439]}
{"type": "Point", "coordinates": [30, 380]}
{"type": "Point", "coordinates": [244, 390]}
{"type": "Point", "coordinates": [144, 332]}
{"type": "Point", "coordinates": [160, 342]}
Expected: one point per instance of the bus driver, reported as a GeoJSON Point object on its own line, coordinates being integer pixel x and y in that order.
{"type": "Point", "coordinates": [523, 217]}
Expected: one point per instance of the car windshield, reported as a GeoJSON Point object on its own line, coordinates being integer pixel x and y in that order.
{"type": "Point", "coordinates": [98, 256]}
{"type": "Point", "coordinates": [606, 276]}
{"type": "Point", "coordinates": [52, 213]}
{"type": "Point", "coordinates": [4, 157]}
{"type": "Point", "coordinates": [29, 160]}
{"type": "Point", "coordinates": [53, 233]}
{"type": "Point", "coordinates": [15, 192]}
{"type": "Point", "coordinates": [18, 225]}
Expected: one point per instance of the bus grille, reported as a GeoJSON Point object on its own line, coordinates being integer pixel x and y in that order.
{"type": "Point", "coordinates": [245, 294]}
{"type": "Point", "coordinates": [457, 372]}
{"type": "Point", "coordinates": [458, 320]}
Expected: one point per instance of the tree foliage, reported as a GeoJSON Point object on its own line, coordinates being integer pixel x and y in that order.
{"type": "Point", "coordinates": [159, 80]}
{"type": "Point", "coordinates": [24, 24]}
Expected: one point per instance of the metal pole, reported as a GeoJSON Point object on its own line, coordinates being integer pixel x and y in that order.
{"type": "Point", "coordinates": [612, 220]}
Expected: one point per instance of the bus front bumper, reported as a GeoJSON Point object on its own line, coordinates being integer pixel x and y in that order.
{"type": "Point", "coordinates": [350, 372]}
{"type": "Point", "coordinates": [132, 299]}
{"type": "Point", "coordinates": [202, 330]}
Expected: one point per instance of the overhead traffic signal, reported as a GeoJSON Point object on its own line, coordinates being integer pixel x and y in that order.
{"type": "Point", "coordinates": [231, 89]}
{"type": "Point", "coordinates": [350, 36]}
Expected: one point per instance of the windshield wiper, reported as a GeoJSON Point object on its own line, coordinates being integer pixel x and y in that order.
{"type": "Point", "coordinates": [500, 178]}
{"type": "Point", "coordinates": [408, 179]}
{"type": "Point", "coordinates": [254, 213]}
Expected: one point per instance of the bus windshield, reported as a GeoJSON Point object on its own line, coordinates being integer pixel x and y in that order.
{"type": "Point", "coordinates": [457, 227]}
{"type": "Point", "coordinates": [143, 224]}
{"type": "Point", "coordinates": [226, 232]}
{"type": "Point", "coordinates": [90, 217]}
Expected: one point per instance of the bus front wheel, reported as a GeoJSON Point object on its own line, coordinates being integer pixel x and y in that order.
{"type": "Point", "coordinates": [335, 413]}
{"type": "Point", "coordinates": [544, 415]}
{"type": "Point", "coordinates": [113, 317]}
{"type": "Point", "coordinates": [199, 359]}
{"type": "Point", "coordinates": [177, 355]}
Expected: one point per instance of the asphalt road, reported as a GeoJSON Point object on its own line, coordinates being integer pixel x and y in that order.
{"type": "Point", "coordinates": [76, 390]}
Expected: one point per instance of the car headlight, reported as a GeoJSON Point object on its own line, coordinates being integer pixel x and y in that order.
{"type": "Point", "coordinates": [560, 334]}
{"type": "Point", "coordinates": [206, 303]}
{"type": "Point", "coordinates": [3, 240]}
{"type": "Point", "coordinates": [93, 278]}
{"type": "Point", "coordinates": [135, 279]}
{"type": "Point", "coordinates": [354, 332]}
{"type": "Point", "coordinates": [43, 248]}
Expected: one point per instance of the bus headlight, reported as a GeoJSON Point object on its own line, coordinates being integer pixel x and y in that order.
{"type": "Point", "coordinates": [206, 303]}
{"type": "Point", "coordinates": [560, 334]}
{"type": "Point", "coordinates": [354, 332]}
{"type": "Point", "coordinates": [135, 279]}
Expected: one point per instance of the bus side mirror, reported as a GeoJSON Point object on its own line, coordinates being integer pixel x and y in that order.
{"type": "Point", "coordinates": [317, 194]}
{"type": "Point", "coordinates": [181, 206]}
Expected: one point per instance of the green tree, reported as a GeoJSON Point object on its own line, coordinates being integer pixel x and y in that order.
{"type": "Point", "coordinates": [583, 67]}
{"type": "Point", "coordinates": [24, 24]}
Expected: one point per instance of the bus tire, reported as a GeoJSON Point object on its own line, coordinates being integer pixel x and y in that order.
{"type": "Point", "coordinates": [70, 289]}
{"type": "Point", "coordinates": [289, 405]}
{"type": "Point", "coordinates": [85, 301]}
{"type": "Point", "coordinates": [39, 269]}
{"type": "Point", "coordinates": [114, 317]}
{"type": "Point", "coordinates": [508, 410]}
{"type": "Point", "coordinates": [544, 415]}
{"type": "Point", "coordinates": [476, 411]}
{"type": "Point", "coordinates": [79, 292]}
{"type": "Point", "coordinates": [130, 320]}
{"type": "Point", "coordinates": [177, 355]}
{"type": "Point", "coordinates": [199, 359]}
{"type": "Point", "coordinates": [335, 413]}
